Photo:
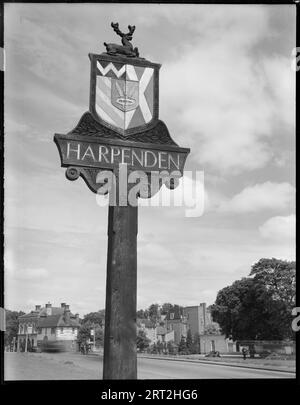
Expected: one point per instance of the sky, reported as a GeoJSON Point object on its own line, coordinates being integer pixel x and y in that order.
{"type": "Point", "coordinates": [227, 92]}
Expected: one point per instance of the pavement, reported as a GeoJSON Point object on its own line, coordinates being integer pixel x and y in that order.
{"type": "Point", "coordinates": [232, 361]}
{"type": "Point", "coordinates": [74, 366]}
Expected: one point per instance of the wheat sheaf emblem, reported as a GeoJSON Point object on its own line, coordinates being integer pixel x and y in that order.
{"type": "Point", "coordinates": [125, 99]}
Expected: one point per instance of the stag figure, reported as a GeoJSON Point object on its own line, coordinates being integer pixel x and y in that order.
{"type": "Point", "coordinates": [126, 48]}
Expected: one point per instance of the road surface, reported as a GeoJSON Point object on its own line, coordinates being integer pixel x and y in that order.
{"type": "Point", "coordinates": [73, 366]}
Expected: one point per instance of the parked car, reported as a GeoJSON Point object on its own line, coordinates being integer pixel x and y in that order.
{"type": "Point", "coordinates": [213, 354]}
{"type": "Point", "coordinates": [53, 346]}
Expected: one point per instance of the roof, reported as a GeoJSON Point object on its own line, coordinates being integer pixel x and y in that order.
{"type": "Point", "coordinates": [49, 321]}
{"type": "Point", "coordinates": [89, 126]}
{"type": "Point", "coordinates": [52, 321]}
{"type": "Point", "coordinates": [56, 319]}
{"type": "Point", "coordinates": [177, 311]}
{"type": "Point", "coordinates": [147, 322]}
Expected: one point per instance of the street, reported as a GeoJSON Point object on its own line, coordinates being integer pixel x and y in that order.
{"type": "Point", "coordinates": [73, 366]}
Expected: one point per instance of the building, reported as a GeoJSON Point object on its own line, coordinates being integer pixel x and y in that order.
{"type": "Point", "coordinates": [199, 319]}
{"type": "Point", "coordinates": [176, 321]}
{"type": "Point", "coordinates": [216, 343]}
{"type": "Point", "coordinates": [48, 324]}
{"type": "Point", "coordinates": [163, 335]}
{"type": "Point", "coordinates": [149, 328]}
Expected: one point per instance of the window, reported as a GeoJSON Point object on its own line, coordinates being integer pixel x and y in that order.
{"type": "Point", "coordinates": [172, 315]}
{"type": "Point", "coordinates": [61, 330]}
{"type": "Point", "coordinates": [52, 331]}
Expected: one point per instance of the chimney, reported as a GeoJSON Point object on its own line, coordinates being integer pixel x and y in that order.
{"type": "Point", "coordinates": [77, 317]}
{"type": "Point", "coordinates": [63, 304]}
{"type": "Point", "coordinates": [67, 314]}
{"type": "Point", "coordinates": [48, 308]}
{"type": "Point", "coordinates": [37, 307]}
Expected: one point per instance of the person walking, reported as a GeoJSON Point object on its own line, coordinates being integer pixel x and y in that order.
{"type": "Point", "coordinates": [244, 351]}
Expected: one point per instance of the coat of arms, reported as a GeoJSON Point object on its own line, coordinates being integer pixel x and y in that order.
{"type": "Point", "coordinates": [124, 89]}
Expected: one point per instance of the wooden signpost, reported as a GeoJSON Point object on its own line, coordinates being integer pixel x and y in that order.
{"type": "Point", "coordinates": [120, 129]}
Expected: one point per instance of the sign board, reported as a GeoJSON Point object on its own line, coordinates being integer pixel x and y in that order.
{"type": "Point", "coordinates": [109, 154]}
{"type": "Point", "coordinates": [124, 92]}
{"type": "Point", "coordinates": [122, 129]}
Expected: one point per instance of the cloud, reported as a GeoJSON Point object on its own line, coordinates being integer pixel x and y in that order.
{"type": "Point", "coordinates": [221, 100]}
{"type": "Point", "coordinates": [30, 274]}
{"type": "Point", "coordinates": [280, 228]}
{"type": "Point", "coordinates": [189, 197]}
{"type": "Point", "coordinates": [265, 196]}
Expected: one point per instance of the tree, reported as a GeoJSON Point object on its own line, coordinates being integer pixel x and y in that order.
{"type": "Point", "coordinates": [99, 336]}
{"type": "Point", "coordinates": [142, 342]}
{"type": "Point", "coordinates": [247, 310]}
{"type": "Point", "coordinates": [189, 341]}
{"type": "Point", "coordinates": [141, 314]}
{"type": "Point", "coordinates": [196, 343]}
{"type": "Point", "coordinates": [160, 347]}
{"type": "Point", "coordinates": [154, 348]}
{"type": "Point", "coordinates": [182, 349]}
{"type": "Point", "coordinates": [96, 318]}
{"type": "Point", "coordinates": [166, 307]}
{"type": "Point", "coordinates": [84, 333]}
{"type": "Point", "coordinates": [12, 325]}
{"type": "Point", "coordinates": [279, 277]}
{"type": "Point", "coordinates": [212, 329]}
{"type": "Point", "coordinates": [172, 347]}
{"type": "Point", "coordinates": [153, 312]}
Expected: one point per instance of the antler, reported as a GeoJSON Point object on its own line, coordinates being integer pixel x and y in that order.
{"type": "Point", "coordinates": [131, 29]}
{"type": "Point", "coordinates": [116, 29]}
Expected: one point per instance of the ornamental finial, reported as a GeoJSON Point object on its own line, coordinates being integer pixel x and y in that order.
{"type": "Point", "coordinates": [126, 49]}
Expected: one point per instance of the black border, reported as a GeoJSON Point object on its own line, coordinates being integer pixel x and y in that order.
{"type": "Point", "coordinates": [86, 390]}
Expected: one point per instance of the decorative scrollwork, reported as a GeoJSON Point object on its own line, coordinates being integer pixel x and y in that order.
{"type": "Point", "coordinates": [72, 173]}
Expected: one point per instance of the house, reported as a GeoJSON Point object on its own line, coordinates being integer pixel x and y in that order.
{"type": "Point", "coordinates": [163, 335]}
{"type": "Point", "coordinates": [176, 321]}
{"type": "Point", "coordinates": [199, 319]}
{"type": "Point", "coordinates": [48, 324]}
{"type": "Point", "coordinates": [149, 328]}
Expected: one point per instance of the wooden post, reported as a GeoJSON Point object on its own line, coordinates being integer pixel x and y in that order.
{"type": "Point", "coordinates": [120, 360]}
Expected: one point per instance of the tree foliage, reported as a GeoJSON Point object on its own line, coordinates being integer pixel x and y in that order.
{"type": "Point", "coordinates": [258, 307]}
{"type": "Point", "coordinates": [182, 348]}
{"type": "Point", "coordinates": [279, 277]}
{"type": "Point", "coordinates": [12, 325]}
{"type": "Point", "coordinates": [142, 342]}
{"type": "Point", "coordinates": [96, 318]}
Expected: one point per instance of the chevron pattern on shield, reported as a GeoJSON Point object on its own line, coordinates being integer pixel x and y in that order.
{"type": "Point", "coordinates": [124, 95]}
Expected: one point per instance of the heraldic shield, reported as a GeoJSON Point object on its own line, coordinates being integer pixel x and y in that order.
{"type": "Point", "coordinates": [124, 93]}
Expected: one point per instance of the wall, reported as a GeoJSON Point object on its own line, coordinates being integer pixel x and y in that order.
{"type": "Point", "coordinates": [66, 333]}
{"type": "Point", "coordinates": [179, 329]}
{"type": "Point", "coordinates": [151, 334]}
{"type": "Point", "coordinates": [220, 343]}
